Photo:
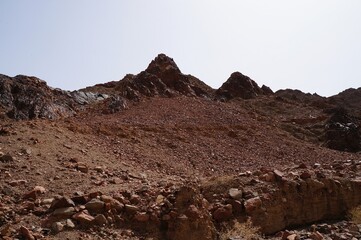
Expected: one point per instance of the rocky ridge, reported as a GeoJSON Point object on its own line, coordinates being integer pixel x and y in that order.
{"type": "Point", "coordinates": [161, 78]}
{"type": "Point", "coordinates": [241, 86]}
{"type": "Point", "coordinates": [24, 97]}
{"type": "Point", "coordinates": [160, 155]}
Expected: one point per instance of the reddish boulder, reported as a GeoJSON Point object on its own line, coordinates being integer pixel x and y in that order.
{"type": "Point", "coordinates": [252, 204]}
{"type": "Point", "coordinates": [223, 213]}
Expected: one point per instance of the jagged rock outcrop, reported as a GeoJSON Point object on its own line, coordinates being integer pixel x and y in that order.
{"type": "Point", "coordinates": [275, 200]}
{"type": "Point", "coordinates": [241, 86]}
{"type": "Point", "coordinates": [343, 131]}
{"type": "Point", "coordinates": [304, 98]}
{"type": "Point", "coordinates": [349, 99]}
{"type": "Point", "coordinates": [161, 78]}
{"type": "Point", "coordinates": [306, 201]}
{"type": "Point", "coordinates": [24, 97]}
{"type": "Point", "coordinates": [192, 220]}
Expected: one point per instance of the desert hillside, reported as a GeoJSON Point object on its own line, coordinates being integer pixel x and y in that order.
{"type": "Point", "coordinates": [161, 155]}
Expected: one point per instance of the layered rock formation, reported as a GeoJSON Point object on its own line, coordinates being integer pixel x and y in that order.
{"type": "Point", "coordinates": [276, 200]}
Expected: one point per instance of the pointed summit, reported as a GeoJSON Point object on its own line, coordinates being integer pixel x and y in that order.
{"type": "Point", "coordinates": [162, 63]}
{"type": "Point", "coordinates": [241, 86]}
{"type": "Point", "coordinates": [162, 78]}
{"type": "Point", "coordinates": [164, 68]}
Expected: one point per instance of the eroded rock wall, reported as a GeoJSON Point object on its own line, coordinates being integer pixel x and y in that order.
{"type": "Point", "coordinates": [275, 201]}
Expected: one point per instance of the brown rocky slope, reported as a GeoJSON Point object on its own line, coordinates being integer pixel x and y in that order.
{"type": "Point", "coordinates": [160, 155]}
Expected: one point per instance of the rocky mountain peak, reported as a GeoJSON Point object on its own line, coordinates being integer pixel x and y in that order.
{"type": "Point", "coordinates": [161, 78]}
{"type": "Point", "coordinates": [162, 63]}
{"type": "Point", "coordinates": [242, 86]}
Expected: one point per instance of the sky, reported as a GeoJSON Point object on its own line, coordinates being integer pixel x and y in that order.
{"type": "Point", "coordinates": [313, 46]}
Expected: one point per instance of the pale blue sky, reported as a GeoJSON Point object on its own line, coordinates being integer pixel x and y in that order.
{"type": "Point", "coordinates": [314, 46]}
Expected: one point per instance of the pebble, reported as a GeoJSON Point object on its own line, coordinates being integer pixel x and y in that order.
{"type": "Point", "coordinates": [57, 227]}
{"type": "Point", "coordinates": [235, 193]}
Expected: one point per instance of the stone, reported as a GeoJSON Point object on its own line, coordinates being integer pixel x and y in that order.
{"type": "Point", "coordinates": [223, 213]}
{"type": "Point", "coordinates": [26, 151]}
{"type": "Point", "coordinates": [64, 212]}
{"type": "Point", "coordinates": [316, 236]}
{"type": "Point", "coordinates": [305, 175]}
{"type": "Point", "coordinates": [278, 174]}
{"type": "Point", "coordinates": [252, 204]}
{"type": "Point", "coordinates": [26, 233]}
{"type": "Point", "coordinates": [28, 205]}
{"type": "Point", "coordinates": [237, 206]}
{"type": "Point", "coordinates": [283, 235]}
{"type": "Point", "coordinates": [47, 201]}
{"type": "Point", "coordinates": [6, 158]}
{"type": "Point", "coordinates": [316, 165]}
{"type": "Point", "coordinates": [293, 237]}
{"type": "Point", "coordinates": [57, 227]}
{"type": "Point", "coordinates": [94, 194]}
{"type": "Point", "coordinates": [235, 193]}
{"type": "Point", "coordinates": [30, 195]}
{"type": "Point", "coordinates": [99, 169]}
{"type": "Point", "coordinates": [82, 167]}
{"type": "Point", "coordinates": [131, 209]}
{"type": "Point", "coordinates": [115, 180]}
{"type": "Point", "coordinates": [106, 198]}
{"type": "Point", "coordinates": [80, 199]}
{"type": "Point", "coordinates": [141, 217]}
{"type": "Point", "coordinates": [268, 177]}
{"type": "Point", "coordinates": [83, 217]}
{"type": "Point", "coordinates": [17, 182]}
{"type": "Point", "coordinates": [39, 189]}
{"type": "Point", "coordinates": [95, 205]}
{"type": "Point", "coordinates": [160, 199]}
{"type": "Point", "coordinates": [192, 212]}
{"type": "Point", "coordinates": [70, 224]}
{"type": "Point", "coordinates": [302, 166]}
{"type": "Point", "coordinates": [324, 228]}
{"type": "Point", "coordinates": [135, 199]}
{"type": "Point", "coordinates": [115, 204]}
{"type": "Point", "coordinates": [100, 220]}
{"type": "Point", "coordinates": [245, 174]}
{"type": "Point", "coordinates": [63, 202]}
